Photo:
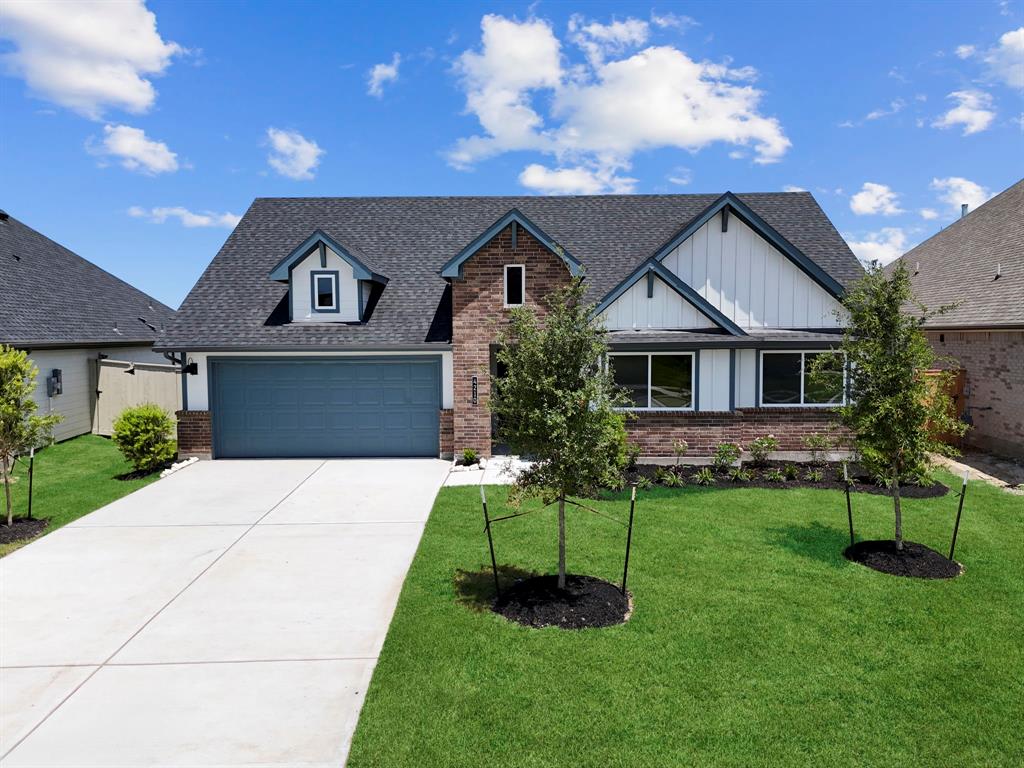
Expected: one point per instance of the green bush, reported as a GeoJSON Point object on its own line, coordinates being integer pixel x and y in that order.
{"type": "Point", "coordinates": [679, 448]}
{"type": "Point", "coordinates": [791, 471]}
{"type": "Point", "coordinates": [819, 446]}
{"type": "Point", "coordinates": [739, 475]}
{"type": "Point", "coordinates": [145, 436]}
{"type": "Point", "coordinates": [726, 454]}
{"type": "Point", "coordinates": [760, 447]}
{"type": "Point", "coordinates": [814, 475]}
{"type": "Point", "coordinates": [704, 476]}
{"type": "Point", "coordinates": [774, 476]}
{"type": "Point", "coordinates": [470, 457]}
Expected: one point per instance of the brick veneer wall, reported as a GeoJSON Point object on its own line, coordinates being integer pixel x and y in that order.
{"type": "Point", "coordinates": [994, 361]}
{"type": "Point", "coordinates": [195, 434]}
{"type": "Point", "coordinates": [655, 433]}
{"type": "Point", "coordinates": [478, 315]}
{"type": "Point", "coordinates": [447, 449]}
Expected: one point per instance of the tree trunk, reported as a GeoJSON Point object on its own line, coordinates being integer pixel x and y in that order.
{"type": "Point", "coordinates": [899, 512]}
{"type": "Point", "coordinates": [7, 492]}
{"type": "Point", "coordinates": [561, 542]}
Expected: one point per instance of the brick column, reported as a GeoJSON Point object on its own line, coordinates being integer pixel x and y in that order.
{"type": "Point", "coordinates": [195, 434]}
{"type": "Point", "coordinates": [447, 447]}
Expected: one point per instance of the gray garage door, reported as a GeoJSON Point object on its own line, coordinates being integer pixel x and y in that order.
{"type": "Point", "coordinates": [267, 407]}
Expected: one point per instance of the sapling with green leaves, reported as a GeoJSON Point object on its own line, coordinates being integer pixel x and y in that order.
{"type": "Point", "coordinates": [21, 429]}
{"type": "Point", "coordinates": [893, 409]}
{"type": "Point", "coordinates": [558, 405]}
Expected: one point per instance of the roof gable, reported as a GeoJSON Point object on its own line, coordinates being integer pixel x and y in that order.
{"type": "Point", "coordinates": [515, 217]}
{"type": "Point", "coordinates": [318, 241]}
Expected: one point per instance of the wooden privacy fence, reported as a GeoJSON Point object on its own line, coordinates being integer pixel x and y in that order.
{"type": "Point", "coordinates": [958, 401]}
{"type": "Point", "coordinates": [117, 389]}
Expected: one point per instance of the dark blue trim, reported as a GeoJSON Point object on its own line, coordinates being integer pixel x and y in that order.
{"type": "Point", "coordinates": [184, 381]}
{"type": "Point", "coordinates": [323, 255]}
{"type": "Point", "coordinates": [650, 285]}
{"type": "Point", "coordinates": [515, 235]}
{"type": "Point", "coordinates": [759, 225]}
{"type": "Point", "coordinates": [359, 295]}
{"type": "Point", "coordinates": [282, 271]}
{"type": "Point", "coordinates": [696, 380]}
{"type": "Point", "coordinates": [313, 275]}
{"type": "Point", "coordinates": [757, 378]}
{"type": "Point", "coordinates": [732, 379]}
{"type": "Point", "coordinates": [454, 266]}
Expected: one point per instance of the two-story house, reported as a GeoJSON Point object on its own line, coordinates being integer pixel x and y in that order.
{"type": "Point", "coordinates": [367, 326]}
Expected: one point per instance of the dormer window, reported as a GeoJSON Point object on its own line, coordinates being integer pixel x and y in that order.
{"type": "Point", "coordinates": [515, 285]}
{"type": "Point", "coordinates": [325, 291]}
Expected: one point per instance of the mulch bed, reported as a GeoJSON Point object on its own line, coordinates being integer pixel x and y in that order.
{"type": "Point", "coordinates": [22, 528]}
{"type": "Point", "coordinates": [586, 601]}
{"type": "Point", "coordinates": [915, 560]}
{"type": "Point", "coordinates": [831, 480]}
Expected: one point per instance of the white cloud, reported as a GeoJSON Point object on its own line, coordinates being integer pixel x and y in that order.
{"type": "Point", "coordinates": [883, 246]}
{"type": "Point", "coordinates": [956, 190]}
{"type": "Point", "coordinates": [1006, 60]}
{"type": "Point", "coordinates": [894, 107]}
{"type": "Point", "coordinates": [185, 216]}
{"type": "Point", "coordinates": [673, 20]}
{"type": "Point", "coordinates": [604, 111]}
{"type": "Point", "coordinates": [972, 112]}
{"type": "Point", "coordinates": [597, 41]}
{"type": "Point", "coordinates": [381, 74]}
{"type": "Point", "coordinates": [875, 199]}
{"type": "Point", "coordinates": [680, 176]}
{"type": "Point", "coordinates": [791, 188]}
{"type": "Point", "coordinates": [573, 181]}
{"type": "Point", "coordinates": [88, 55]}
{"type": "Point", "coordinates": [965, 51]}
{"type": "Point", "coordinates": [292, 154]}
{"type": "Point", "coordinates": [928, 214]}
{"type": "Point", "coordinates": [134, 150]}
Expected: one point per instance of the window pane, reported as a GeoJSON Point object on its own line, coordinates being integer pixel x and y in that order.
{"type": "Point", "coordinates": [825, 386]}
{"type": "Point", "coordinates": [671, 381]}
{"type": "Point", "coordinates": [780, 383]}
{"type": "Point", "coordinates": [630, 371]}
{"type": "Point", "coordinates": [324, 291]}
{"type": "Point", "coordinates": [514, 285]}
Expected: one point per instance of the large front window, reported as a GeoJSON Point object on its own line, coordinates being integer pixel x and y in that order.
{"type": "Point", "coordinates": [654, 380]}
{"type": "Point", "coordinates": [788, 378]}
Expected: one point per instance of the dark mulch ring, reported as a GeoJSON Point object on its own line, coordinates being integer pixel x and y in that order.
{"type": "Point", "coordinates": [586, 601]}
{"type": "Point", "coordinates": [831, 479]}
{"type": "Point", "coordinates": [23, 528]}
{"type": "Point", "coordinates": [914, 560]}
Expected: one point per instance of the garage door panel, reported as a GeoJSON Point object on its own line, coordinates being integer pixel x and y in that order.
{"type": "Point", "coordinates": [326, 407]}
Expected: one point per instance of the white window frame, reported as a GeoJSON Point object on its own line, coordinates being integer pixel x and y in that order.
{"type": "Point", "coordinates": [803, 357]}
{"type": "Point", "coordinates": [317, 277]}
{"type": "Point", "coordinates": [504, 286]}
{"type": "Point", "coordinates": [693, 378]}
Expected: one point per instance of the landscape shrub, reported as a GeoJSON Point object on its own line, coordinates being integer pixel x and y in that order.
{"type": "Point", "coordinates": [145, 436]}
{"type": "Point", "coordinates": [791, 471]}
{"type": "Point", "coordinates": [775, 476]}
{"type": "Point", "coordinates": [760, 447]}
{"type": "Point", "coordinates": [470, 457]}
{"type": "Point", "coordinates": [819, 446]}
{"type": "Point", "coordinates": [739, 475]}
{"type": "Point", "coordinates": [679, 448]}
{"type": "Point", "coordinates": [704, 476]}
{"type": "Point", "coordinates": [814, 475]}
{"type": "Point", "coordinates": [726, 454]}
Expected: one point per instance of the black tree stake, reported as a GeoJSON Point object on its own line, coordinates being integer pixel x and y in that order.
{"type": "Point", "coordinates": [490, 542]}
{"type": "Point", "coordinates": [960, 509]}
{"type": "Point", "coordinates": [629, 539]}
{"type": "Point", "coordinates": [849, 509]}
{"type": "Point", "coordinates": [31, 466]}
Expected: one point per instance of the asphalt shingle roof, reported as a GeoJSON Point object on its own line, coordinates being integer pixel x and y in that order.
{"type": "Point", "coordinates": [409, 239]}
{"type": "Point", "coordinates": [50, 296]}
{"type": "Point", "coordinates": [958, 265]}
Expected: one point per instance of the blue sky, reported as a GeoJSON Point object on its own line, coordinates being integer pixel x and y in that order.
{"type": "Point", "coordinates": [137, 134]}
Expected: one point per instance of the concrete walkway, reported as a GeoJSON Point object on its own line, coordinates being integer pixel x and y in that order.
{"type": "Point", "coordinates": [228, 615]}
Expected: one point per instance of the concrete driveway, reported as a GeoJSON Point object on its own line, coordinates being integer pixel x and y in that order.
{"type": "Point", "coordinates": [228, 615]}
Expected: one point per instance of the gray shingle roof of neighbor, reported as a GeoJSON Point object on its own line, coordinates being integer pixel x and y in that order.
{"type": "Point", "coordinates": [51, 296]}
{"type": "Point", "coordinates": [235, 305]}
{"type": "Point", "coordinates": [958, 265]}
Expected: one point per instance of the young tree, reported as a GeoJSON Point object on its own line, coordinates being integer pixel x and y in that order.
{"type": "Point", "coordinates": [893, 409]}
{"type": "Point", "coordinates": [20, 428]}
{"type": "Point", "coordinates": [559, 406]}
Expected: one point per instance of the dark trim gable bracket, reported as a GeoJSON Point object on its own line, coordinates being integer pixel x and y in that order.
{"type": "Point", "coordinates": [517, 219]}
{"type": "Point", "coordinates": [653, 268]}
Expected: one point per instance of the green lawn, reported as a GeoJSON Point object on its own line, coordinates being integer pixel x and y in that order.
{"type": "Point", "coordinates": [71, 479]}
{"type": "Point", "coordinates": [753, 642]}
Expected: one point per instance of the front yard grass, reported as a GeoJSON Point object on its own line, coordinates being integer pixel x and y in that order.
{"type": "Point", "coordinates": [72, 479]}
{"type": "Point", "coordinates": [752, 642]}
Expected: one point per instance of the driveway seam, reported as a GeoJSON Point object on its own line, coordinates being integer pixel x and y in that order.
{"type": "Point", "coordinates": [178, 594]}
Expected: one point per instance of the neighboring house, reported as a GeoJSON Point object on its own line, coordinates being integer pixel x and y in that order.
{"type": "Point", "coordinates": [367, 326]}
{"type": "Point", "coordinates": [67, 313]}
{"type": "Point", "coordinates": [977, 263]}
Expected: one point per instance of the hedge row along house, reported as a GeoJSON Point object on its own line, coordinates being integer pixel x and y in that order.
{"type": "Point", "coordinates": [367, 326]}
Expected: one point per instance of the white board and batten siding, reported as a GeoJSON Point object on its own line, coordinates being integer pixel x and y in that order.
{"type": "Point", "coordinates": [302, 290]}
{"type": "Point", "coordinates": [714, 380]}
{"type": "Point", "coordinates": [740, 274]}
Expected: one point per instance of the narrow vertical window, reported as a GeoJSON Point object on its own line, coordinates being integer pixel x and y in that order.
{"type": "Point", "coordinates": [515, 285]}
{"type": "Point", "coordinates": [324, 291]}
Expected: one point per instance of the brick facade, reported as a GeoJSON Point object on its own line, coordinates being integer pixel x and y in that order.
{"type": "Point", "coordinates": [447, 449]}
{"type": "Point", "coordinates": [655, 433]}
{"type": "Point", "coordinates": [195, 434]}
{"type": "Point", "coordinates": [994, 361]}
{"type": "Point", "coordinates": [478, 316]}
